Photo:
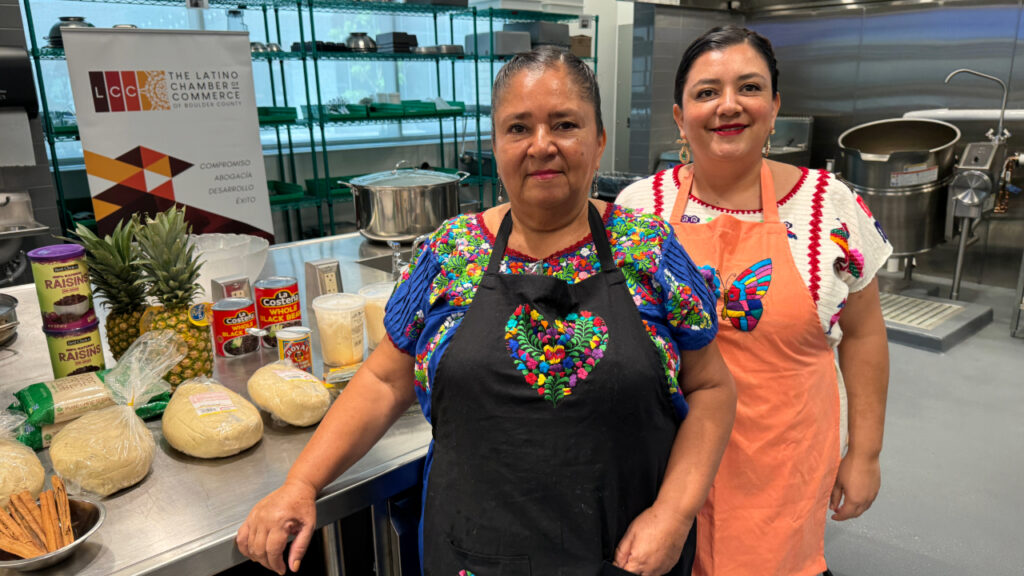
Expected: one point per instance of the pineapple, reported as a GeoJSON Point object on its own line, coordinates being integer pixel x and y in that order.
{"type": "Point", "coordinates": [115, 274]}
{"type": "Point", "coordinates": [170, 268]}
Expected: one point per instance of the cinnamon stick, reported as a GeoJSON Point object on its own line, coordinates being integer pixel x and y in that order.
{"type": "Point", "coordinates": [10, 528]}
{"type": "Point", "coordinates": [60, 497]}
{"type": "Point", "coordinates": [51, 525]}
{"type": "Point", "coordinates": [19, 548]}
{"type": "Point", "coordinates": [27, 503]}
{"type": "Point", "coordinates": [23, 513]}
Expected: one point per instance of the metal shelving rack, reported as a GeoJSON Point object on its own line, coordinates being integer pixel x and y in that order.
{"type": "Point", "coordinates": [270, 10]}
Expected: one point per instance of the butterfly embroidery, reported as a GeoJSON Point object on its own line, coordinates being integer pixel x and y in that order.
{"type": "Point", "coordinates": [743, 306]}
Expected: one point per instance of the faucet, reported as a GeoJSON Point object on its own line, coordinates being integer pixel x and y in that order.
{"type": "Point", "coordinates": [999, 137]}
{"type": "Point", "coordinates": [397, 264]}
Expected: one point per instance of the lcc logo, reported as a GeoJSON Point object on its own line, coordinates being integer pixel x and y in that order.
{"type": "Point", "coordinates": [129, 90]}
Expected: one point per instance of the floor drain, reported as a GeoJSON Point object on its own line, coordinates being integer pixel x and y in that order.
{"type": "Point", "coordinates": [922, 314]}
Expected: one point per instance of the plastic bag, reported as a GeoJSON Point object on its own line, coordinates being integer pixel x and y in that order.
{"type": "Point", "coordinates": [40, 436]}
{"type": "Point", "coordinates": [106, 450]}
{"type": "Point", "coordinates": [207, 420]}
{"type": "Point", "coordinates": [290, 395]}
{"type": "Point", "coordinates": [68, 398]}
{"type": "Point", "coordinates": [21, 469]}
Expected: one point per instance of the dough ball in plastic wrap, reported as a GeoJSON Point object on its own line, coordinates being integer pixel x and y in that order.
{"type": "Point", "coordinates": [110, 449]}
{"type": "Point", "coordinates": [104, 451]}
{"type": "Point", "coordinates": [207, 420]}
{"type": "Point", "coordinates": [20, 471]}
{"type": "Point", "coordinates": [291, 395]}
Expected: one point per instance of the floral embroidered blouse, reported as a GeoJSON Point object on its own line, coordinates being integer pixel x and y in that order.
{"type": "Point", "coordinates": [434, 293]}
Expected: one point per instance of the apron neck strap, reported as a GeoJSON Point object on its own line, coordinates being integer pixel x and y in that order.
{"type": "Point", "coordinates": [600, 236]}
{"type": "Point", "coordinates": [500, 242]}
{"type": "Point", "coordinates": [597, 231]}
{"type": "Point", "coordinates": [769, 207]}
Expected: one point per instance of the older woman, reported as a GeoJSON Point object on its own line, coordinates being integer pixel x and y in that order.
{"type": "Point", "coordinates": [793, 254]}
{"type": "Point", "coordinates": [563, 352]}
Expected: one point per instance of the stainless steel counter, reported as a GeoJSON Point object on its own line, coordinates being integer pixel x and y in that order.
{"type": "Point", "coordinates": [182, 518]}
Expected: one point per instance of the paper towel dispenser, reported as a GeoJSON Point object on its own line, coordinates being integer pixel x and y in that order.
{"type": "Point", "coordinates": [17, 88]}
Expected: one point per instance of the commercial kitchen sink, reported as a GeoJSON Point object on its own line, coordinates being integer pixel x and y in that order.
{"type": "Point", "coordinates": [18, 230]}
{"type": "Point", "coordinates": [384, 261]}
{"type": "Point", "coordinates": [16, 219]}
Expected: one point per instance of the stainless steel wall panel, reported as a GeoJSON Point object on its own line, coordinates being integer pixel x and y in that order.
{"type": "Point", "coordinates": [660, 35]}
{"type": "Point", "coordinates": [698, 4]}
{"type": "Point", "coordinates": [850, 65]}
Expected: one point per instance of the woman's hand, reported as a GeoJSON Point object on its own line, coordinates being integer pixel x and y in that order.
{"type": "Point", "coordinates": [653, 542]}
{"type": "Point", "coordinates": [856, 487]}
{"type": "Point", "coordinates": [289, 510]}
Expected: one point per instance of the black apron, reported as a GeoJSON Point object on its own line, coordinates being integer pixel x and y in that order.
{"type": "Point", "coordinates": [550, 437]}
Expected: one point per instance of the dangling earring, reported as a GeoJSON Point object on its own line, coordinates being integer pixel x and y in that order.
{"type": "Point", "coordinates": [767, 144]}
{"type": "Point", "coordinates": [684, 150]}
{"type": "Point", "coordinates": [501, 192]}
{"type": "Point", "coordinates": [593, 187]}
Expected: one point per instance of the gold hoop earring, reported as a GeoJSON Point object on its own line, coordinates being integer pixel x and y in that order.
{"type": "Point", "coordinates": [684, 151]}
{"type": "Point", "coordinates": [501, 191]}
{"type": "Point", "coordinates": [768, 144]}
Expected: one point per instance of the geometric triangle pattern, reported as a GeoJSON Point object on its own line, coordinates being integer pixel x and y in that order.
{"type": "Point", "coordinates": [133, 157]}
{"type": "Point", "coordinates": [108, 168]}
{"type": "Point", "coordinates": [161, 166]}
{"type": "Point", "coordinates": [143, 184]}
{"type": "Point", "coordinates": [103, 209]}
{"type": "Point", "coordinates": [136, 181]}
{"type": "Point", "coordinates": [154, 179]}
{"type": "Point", "coordinates": [150, 156]}
{"type": "Point", "coordinates": [177, 166]}
{"type": "Point", "coordinates": [165, 190]}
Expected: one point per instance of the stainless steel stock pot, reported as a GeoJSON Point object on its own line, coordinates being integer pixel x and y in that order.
{"type": "Point", "coordinates": [401, 204]}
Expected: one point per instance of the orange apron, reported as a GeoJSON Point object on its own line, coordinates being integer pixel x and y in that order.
{"type": "Point", "coordinates": [765, 514]}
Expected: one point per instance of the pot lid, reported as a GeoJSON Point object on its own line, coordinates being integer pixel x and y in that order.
{"type": "Point", "coordinates": [405, 178]}
{"type": "Point", "coordinates": [56, 252]}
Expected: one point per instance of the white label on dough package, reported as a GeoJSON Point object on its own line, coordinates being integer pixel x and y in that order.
{"type": "Point", "coordinates": [211, 403]}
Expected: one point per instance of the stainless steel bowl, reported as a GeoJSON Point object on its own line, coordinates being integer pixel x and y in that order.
{"type": "Point", "coordinates": [451, 49]}
{"type": "Point", "coordinates": [257, 47]}
{"type": "Point", "coordinates": [274, 47]}
{"type": "Point", "coordinates": [86, 517]}
{"type": "Point", "coordinates": [8, 318]}
{"type": "Point", "coordinates": [425, 50]}
{"type": "Point", "coordinates": [360, 42]}
{"type": "Point", "coordinates": [55, 39]}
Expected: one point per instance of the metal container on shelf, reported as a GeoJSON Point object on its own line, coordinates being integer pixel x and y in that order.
{"type": "Point", "coordinates": [8, 319]}
{"type": "Point", "coordinates": [401, 204]}
{"type": "Point", "coordinates": [901, 167]}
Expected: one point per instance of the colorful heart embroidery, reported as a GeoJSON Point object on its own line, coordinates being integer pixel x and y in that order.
{"type": "Point", "coordinates": [555, 356]}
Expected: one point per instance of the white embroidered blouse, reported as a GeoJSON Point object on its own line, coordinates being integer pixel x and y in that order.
{"type": "Point", "coordinates": [837, 244]}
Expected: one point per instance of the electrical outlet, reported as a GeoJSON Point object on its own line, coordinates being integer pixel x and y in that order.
{"type": "Point", "coordinates": [322, 277]}
{"type": "Point", "coordinates": [330, 282]}
{"type": "Point", "coordinates": [585, 21]}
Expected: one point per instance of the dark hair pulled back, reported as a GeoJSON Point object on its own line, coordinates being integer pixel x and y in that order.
{"type": "Point", "coordinates": [543, 58]}
{"type": "Point", "coordinates": [719, 38]}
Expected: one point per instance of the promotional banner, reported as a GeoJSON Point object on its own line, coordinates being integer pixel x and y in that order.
{"type": "Point", "coordinates": [169, 117]}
